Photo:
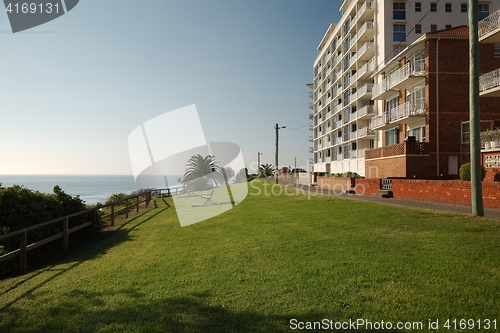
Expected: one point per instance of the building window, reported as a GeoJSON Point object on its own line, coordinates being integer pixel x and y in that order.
{"type": "Point", "coordinates": [418, 29]}
{"type": "Point", "coordinates": [447, 7]}
{"type": "Point", "coordinates": [433, 7]}
{"type": "Point", "coordinates": [392, 137]}
{"type": "Point", "coordinates": [448, 26]}
{"type": "Point", "coordinates": [483, 11]}
{"type": "Point", "coordinates": [463, 7]}
{"type": "Point", "coordinates": [418, 6]}
{"type": "Point", "coordinates": [418, 133]}
{"type": "Point", "coordinates": [399, 33]}
{"type": "Point", "coordinates": [433, 27]}
{"type": "Point", "coordinates": [399, 11]}
{"type": "Point", "coordinates": [496, 50]}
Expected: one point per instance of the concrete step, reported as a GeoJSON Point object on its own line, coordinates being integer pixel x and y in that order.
{"type": "Point", "coordinates": [383, 194]}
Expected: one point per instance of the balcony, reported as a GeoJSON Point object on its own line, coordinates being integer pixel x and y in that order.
{"type": "Point", "coordinates": [311, 149]}
{"type": "Point", "coordinates": [366, 32]}
{"type": "Point", "coordinates": [399, 115]}
{"type": "Point", "coordinates": [311, 128]}
{"type": "Point", "coordinates": [366, 51]}
{"type": "Point", "coordinates": [311, 106]}
{"type": "Point", "coordinates": [408, 75]}
{"type": "Point", "coordinates": [365, 91]}
{"type": "Point", "coordinates": [400, 149]}
{"type": "Point", "coordinates": [489, 28]}
{"type": "Point", "coordinates": [311, 116]}
{"type": "Point", "coordinates": [383, 90]}
{"type": "Point", "coordinates": [365, 70]}
{"type": "Point", "coordinates": [311, 95]}
{"type": "Point", "coordinates": [366, 11]}
{"type": "Point", "coordinates": [353, 135]}
{"type": "Point", "coordinates": [311, 139]}
{"type": "Point", "coordinates": [489, 84]}
{"type": "Point", "coordinates": [366, 111]}
{"type": "Point", "coordinates": [365, 131]}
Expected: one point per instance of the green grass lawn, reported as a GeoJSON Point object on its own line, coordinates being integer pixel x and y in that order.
{"type": "Point", "coordinates": [269, 260]}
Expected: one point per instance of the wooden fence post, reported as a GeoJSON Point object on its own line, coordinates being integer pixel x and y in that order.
{"type": "Point", "coordinates": [24, 252]}
{"type": "Point", "coordinates": [94, 221]}
{"type": "Point", "coordinates": [147, 198]}
{"type": "Point", "coordinates": [126, 208]}
{"type": "Point", "coordinates": [65, 234]}
{"type": "Point", "coordinates": [112, 214]}
{"type": "Point", "coordinates": [137, 202]}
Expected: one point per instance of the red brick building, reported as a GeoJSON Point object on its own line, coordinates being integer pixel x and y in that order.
{"type": "Point", "coordinates": [423, 98]}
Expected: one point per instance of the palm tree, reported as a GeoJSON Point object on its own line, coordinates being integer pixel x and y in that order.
{"type": "Point", "coordinates": [266, 170]}
{"type": "Point", "coordinates": [198, 166]}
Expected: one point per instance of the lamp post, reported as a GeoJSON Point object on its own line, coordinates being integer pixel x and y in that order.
{"type": "Point", "coordinates": [258, 162]}
{"type": "Point", "coordinates": [277, 128]}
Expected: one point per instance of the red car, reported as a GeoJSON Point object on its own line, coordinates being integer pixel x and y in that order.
{"type": "Point", "coordinates": [284, 170]}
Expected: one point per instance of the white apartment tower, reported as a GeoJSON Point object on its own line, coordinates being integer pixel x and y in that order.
{"type": "Point", "coordinates": [368, 35]}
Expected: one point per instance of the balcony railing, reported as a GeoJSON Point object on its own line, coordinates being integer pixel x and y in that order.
{"type": "Point", "coordinates": [405, 110]}
{"type": "Point", "coordinates": [366, 88]}
{"type": "Point", "coordinates": [378, 120]}
{"type": "Point", "coordinates": [412, 68]}
{"type": "Point", "coordinates": [400, 149]}
{"type": "Point", "coordinates": [489, 24]}
{"type": "Point", "coordinates": [364, 131]}
{"type": "Point", "coordinates": [489, 80]}
{"type": "Point", "coordinates": [367, 109]}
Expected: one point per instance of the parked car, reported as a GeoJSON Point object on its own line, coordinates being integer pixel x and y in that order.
{"type": "Point", "coordinates": [298, 170]}
{"type": "Point", "coordinates": [284, 170]}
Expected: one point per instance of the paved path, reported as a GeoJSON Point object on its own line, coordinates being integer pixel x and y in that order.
{"type": "Point", "coordinates": [488, 212]}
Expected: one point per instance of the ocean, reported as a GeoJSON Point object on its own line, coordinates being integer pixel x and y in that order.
{"type": "Point", "coordinates": [91, 188]}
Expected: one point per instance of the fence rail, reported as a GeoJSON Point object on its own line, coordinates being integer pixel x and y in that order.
{"type": "Point", "coordinates": [131, 202]}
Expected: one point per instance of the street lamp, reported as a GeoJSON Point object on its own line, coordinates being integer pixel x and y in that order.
{"type": "Point", "coordinates": [258, 162]}
{"type": "Point", "coordinates": [277, 128]}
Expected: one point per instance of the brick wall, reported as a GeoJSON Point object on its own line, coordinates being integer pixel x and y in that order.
{"type": "Point", "coordinates": [445, 191]}
{"type": "Point", "coordinates": [364, 186]}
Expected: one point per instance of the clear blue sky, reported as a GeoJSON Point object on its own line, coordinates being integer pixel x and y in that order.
{"type": "Point", "coordinates": [73, 89]}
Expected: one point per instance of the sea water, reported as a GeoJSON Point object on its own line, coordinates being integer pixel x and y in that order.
{"type": "Point", "coordinates": [91, 188]}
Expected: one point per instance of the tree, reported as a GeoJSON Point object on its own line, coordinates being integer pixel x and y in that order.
{"type": "Point", "coordinates": [198, 166]}
{"type": "Point", "coordinates": [228, 173]}
{"type": "Point", "coordinates": [266, 170]}
{"type": "Point", "coordinates": [241, 176]}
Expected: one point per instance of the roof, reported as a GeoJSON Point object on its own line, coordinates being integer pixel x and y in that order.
{"type": "Point", "coordinates": [462, 30]}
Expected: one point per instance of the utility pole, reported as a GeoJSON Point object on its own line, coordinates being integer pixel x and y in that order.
{"type": "Point", "coordinates": [258, 162]}
{"type": "Point", "coordinates": [276, 171]}
{"type": "Point", "coordinates": [475, 145]}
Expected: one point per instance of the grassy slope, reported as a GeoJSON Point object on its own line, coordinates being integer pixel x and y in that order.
{"type": "Point", "coordinates": [263, 263]}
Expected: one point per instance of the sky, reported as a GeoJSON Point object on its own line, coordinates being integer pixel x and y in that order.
{"type": "Point", "coordinates": [73, 89]}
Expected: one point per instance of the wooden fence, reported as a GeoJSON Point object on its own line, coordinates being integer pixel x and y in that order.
{"type": "Point", "coordinates": [130, 202]}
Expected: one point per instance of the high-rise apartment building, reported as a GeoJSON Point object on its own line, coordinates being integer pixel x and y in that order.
{"type": "Point", "coordinates": [368, 35]}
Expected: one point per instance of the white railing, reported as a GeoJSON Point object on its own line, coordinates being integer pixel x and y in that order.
{"type": "Point", "coordinates": [489, 80]}
{"type": "Point", "coordinates": [381, 86]}
{"type": "Point", "coordinates": [368, 25]}
{"type": "Point", "coordinates": [378, 120]}
{"type": "Point", "coordinates": [353, 135]}
{"type": "Point", "coordinates": [364, 131]}
{"type": "Point", "coordinates": [366, 88]}
{"type": "Point", "coordinates": [368, 46]}
{"type": "Point", "coordinates": [362, 9]}
{"type": "Point", "coordinates": [408, 109]}
{"type": "Point", "coordinates": [489, 24]}
{"type": "Point", "coordinates": [361, 152]}
{"type": "Point", "coordinates": [367, 109]}
{"type": "Point", "coordinates": [413, 68]}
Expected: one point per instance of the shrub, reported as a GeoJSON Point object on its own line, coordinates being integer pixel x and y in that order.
{"type": "Point", "coordinates": [465, 172]}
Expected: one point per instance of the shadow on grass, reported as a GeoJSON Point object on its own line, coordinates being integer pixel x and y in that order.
{"type": "Point", "coordinates": [127, 310]}
{"type": "Point", "coordinates": [93, 249]}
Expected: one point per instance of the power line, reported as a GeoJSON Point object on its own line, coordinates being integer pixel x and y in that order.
{"type": "Point", "coordinates": [296, 128]}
